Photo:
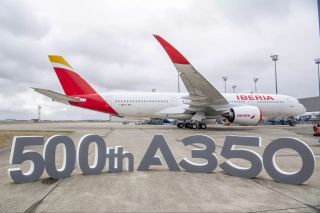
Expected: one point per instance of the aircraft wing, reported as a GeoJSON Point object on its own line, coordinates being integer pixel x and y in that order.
{"type": "Point", "coordinates": [58, 96]}
{"type": "Point", "coordinates": [201, 92]}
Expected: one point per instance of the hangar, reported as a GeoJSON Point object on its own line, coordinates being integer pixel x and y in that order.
{"type": "Point", "coordinates": [312, 104]}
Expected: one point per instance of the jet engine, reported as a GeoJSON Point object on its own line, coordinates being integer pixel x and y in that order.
{"type": "Point", "coordinates": [244, 115]}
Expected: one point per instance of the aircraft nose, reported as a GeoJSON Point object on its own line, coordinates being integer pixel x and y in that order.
{"type": "Point", "coordinates": [302, 109]}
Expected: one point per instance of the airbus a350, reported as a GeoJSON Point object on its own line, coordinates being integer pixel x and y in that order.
{"type": "Point", "coordinates": [193, 109]}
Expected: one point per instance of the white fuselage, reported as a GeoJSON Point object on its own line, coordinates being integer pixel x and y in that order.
{"type": "Point", "coordinates": [172, 105]}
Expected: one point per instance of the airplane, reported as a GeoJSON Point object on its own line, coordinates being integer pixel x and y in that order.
{"type": "Point", "coordinates": [310, 116]}
{"type": "Point", "coordinates": [313, 113]}
{"type": "Point", "coordinates": [194, 109]}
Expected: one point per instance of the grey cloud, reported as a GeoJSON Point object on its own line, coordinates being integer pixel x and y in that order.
{"type": "Point", "coordinates": [246, 12]}
{"type": "Point", "coordinates": [21, 35]}
{"type": "Point", "coordinates": [110, 44]}
{"type": "Point", "coordinates": [19, 19]}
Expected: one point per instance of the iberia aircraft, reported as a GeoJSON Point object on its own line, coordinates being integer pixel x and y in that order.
{"type": "Point", "coordinates": [193, 109]}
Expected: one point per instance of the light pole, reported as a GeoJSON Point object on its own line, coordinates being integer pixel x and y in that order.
{"type": "Point", "coordinates": [317, 61]}
{"type": "Point", "coordinates": [39, 113]}
{"type": "Point", "coordinates": [275, 59]}
{"type": "Point", "coordinates": [225, 84]}
{"type": "Point", "coordinates": [178, 82]}
{"type": "Point", "coordinates": [255, 84]}
{"type": "Point", "coordinates": [234, 88]}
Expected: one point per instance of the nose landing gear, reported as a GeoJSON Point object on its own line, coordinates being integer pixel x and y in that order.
{"type": "Point", "coordinates": [292, 121]}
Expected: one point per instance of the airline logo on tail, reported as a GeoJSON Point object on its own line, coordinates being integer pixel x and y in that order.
{"type": "Point", "coordinates": [75, 86]}
{"type": "Point", "coordinates": [58, 61]}
{"type": "Point", "coordinates": [71, 82]}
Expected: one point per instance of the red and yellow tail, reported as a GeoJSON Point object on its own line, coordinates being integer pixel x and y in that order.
{"type": "Point", "coordinates": [71, 82]}
{"type": "Point", "coordinates": [75, 86]}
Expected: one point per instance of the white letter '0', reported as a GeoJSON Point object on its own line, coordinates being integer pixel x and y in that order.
{"type": "Point", "coordinates": [83, 154]}
{"type": "Point", "coordinates": [69, 156]}
{"type": "Point", "coordinates": [306, 154]}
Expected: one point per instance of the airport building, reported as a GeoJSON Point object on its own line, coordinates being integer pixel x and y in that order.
{"type": "Point", "coordinates": [312, 104]}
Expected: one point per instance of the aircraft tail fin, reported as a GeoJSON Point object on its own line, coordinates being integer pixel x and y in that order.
{"type": "Point", "coordinates": [72, 83]}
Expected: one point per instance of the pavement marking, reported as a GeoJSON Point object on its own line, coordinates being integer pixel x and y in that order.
{"type": "Point", "coordinates": [307, 205]}
{"type": "Point", "coordinates": [36, 204]}
{"type": "Point", "coordinates": [284, 209]}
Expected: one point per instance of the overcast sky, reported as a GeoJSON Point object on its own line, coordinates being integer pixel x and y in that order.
{"type": "Point", "coordinates": [110, 44]}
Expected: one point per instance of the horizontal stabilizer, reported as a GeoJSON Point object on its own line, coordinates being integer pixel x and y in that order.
{"type": "Point", "coordinates": [58, 96]}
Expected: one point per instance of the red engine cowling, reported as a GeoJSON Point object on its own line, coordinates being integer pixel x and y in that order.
{"type": "Point", "coordinates": [244, 115]}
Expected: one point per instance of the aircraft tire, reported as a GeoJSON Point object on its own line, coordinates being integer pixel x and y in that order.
{"type": "Point", "coordinates": [194, 126]}
{"type": "Point", "coordinates": [292, 123]}
{"type": "Point", "coordinates": [180, 125]}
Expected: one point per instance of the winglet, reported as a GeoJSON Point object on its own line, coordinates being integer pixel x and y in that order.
{"type": "Point", "coordinates": [175, 56]}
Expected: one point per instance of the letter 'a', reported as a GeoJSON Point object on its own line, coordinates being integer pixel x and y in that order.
{"type": "Point", "coordinates": [149, 158]}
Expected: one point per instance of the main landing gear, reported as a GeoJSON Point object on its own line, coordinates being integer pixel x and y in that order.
{"type": "Point", "coordinates": [192, 125]}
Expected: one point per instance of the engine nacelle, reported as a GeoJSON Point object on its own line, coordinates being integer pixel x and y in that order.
{"type": "Point", "coordinates": [244, 115]}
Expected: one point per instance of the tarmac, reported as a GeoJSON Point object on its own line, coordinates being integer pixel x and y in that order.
{"type": "Point", "coordinates": [161, 190]}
